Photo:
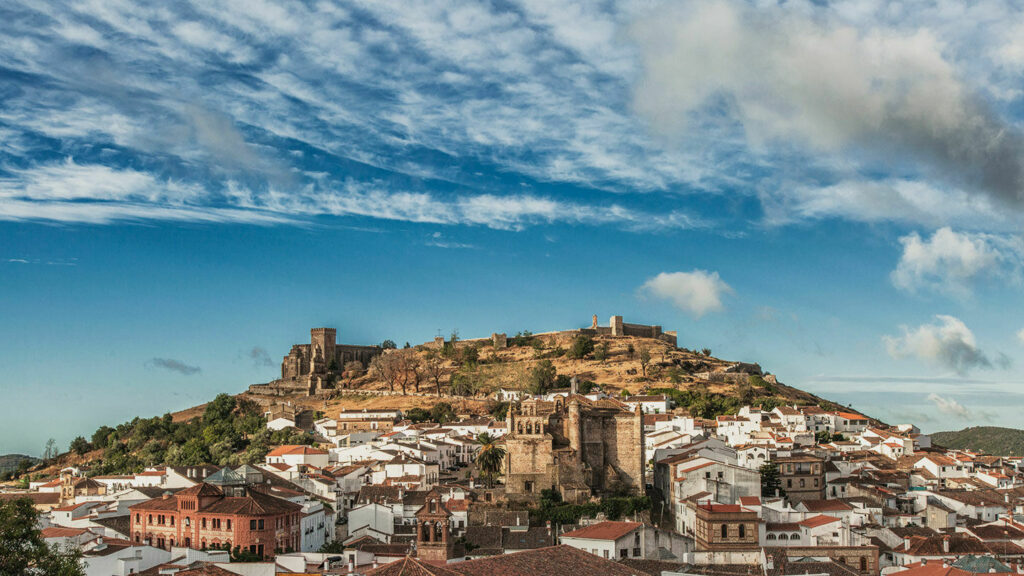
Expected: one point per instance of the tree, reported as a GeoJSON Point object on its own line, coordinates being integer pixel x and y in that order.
{"type": "Point", "coordinates": [100, 438]}
{"type": "Point", "coordinates": [771, 484]}
{"type": "Point", "coordinates": [823, 437]}
{"type": "Point", "coordinates": [542, 378]}
{"type": "Point", "coordinates": [435, 369]}
{"type": "Point", "coordinates": [462, 384]}
{"type": "Point", "coordinates": [601, 352]}
{"type": "Point", "coordinates": [388, 345]}
{"type": "Point", "coordinates": [80, 446]}
{"type": "Point", "coordinates": [498, 410]}
{"type": "Point", "coordinates": [353, 369]}
{"type": "Point", "coordinates": [386, 368]}
{"type": "Point", "coordinates": [645, 358]}
{"type": "Point", "coordinates": [706, 351]}
{"type": "Point", "coordinates": [51, 449]}
{"type": "Point", "coordinates": [630, 350]}
{"type": "Point", "coordinates": [490, 458]}
{"type": "Point", "coordinates": [581, 346]}
{"type": "Point", "coordinates": [442, 412]}
{"type": "Point", "coordinates": [219, 409]}
{"type": "Point", "coordinates": [23, 550]}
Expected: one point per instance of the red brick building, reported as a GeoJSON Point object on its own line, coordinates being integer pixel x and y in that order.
{"type": "Point", "coordinates": [203, 516]}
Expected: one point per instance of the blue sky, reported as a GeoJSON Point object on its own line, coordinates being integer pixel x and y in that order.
{"type": "Point", "coordinates": [834, 190]}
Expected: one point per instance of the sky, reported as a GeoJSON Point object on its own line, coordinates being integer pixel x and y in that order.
{"type": "Point", "coordinates": [833, 190]}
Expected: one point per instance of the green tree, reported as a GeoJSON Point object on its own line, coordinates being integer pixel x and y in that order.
{"type": "Point", "coordinates": [581, 346]}
{"type": "Point", "coordinates": [771, 484]}
{"type": "Point", "coordinates": [100, 438]}
{"type": "Point", "coordinates": [542, 377]}
{"type": "Point", "coordinates": [601, 352]}
{"type": "Point", "coordinates": [80, 446]}
{"type": "Point", "coordinates": [388, 345]}
{"type": "Point", "coordinates": [499, 410]}
{"type": "Point", "coordinates": [823, 437]}
{"type": "Point", "coordinates": [490, 457]}
{"type": "Point", "coordinates": [442, 412]}
{"type": "Point", "coordinates": [23, 550]}
{"type": "Point", "coordinates": [219, 409]}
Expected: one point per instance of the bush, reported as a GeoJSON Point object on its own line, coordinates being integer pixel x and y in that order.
{"type": "Point", "coordinates": [581, 346]}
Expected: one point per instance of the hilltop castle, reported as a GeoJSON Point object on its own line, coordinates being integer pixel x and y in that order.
{"type": "Point", "coordinates": [308, 368]}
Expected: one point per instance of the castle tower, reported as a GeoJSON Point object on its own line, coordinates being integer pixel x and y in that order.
{"type": "Point", "coordinates": [616, 325]}
{"type": "Point", "coordinates": [325, 338]}
{"type": "Point", "coordinates": [433, 532]}
{"type": "Point", "coordinates": [593, 322]}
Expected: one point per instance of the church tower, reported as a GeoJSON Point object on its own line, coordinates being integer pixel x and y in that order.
{"type": "Point", "coordinates": [433, 530]}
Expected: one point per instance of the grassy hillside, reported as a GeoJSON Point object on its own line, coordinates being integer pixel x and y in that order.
{"type": "Point", "coordinates": [990, 439]}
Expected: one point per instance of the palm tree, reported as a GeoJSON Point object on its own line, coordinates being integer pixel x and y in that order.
{"type": "Point", "coordinates": [490, 457]}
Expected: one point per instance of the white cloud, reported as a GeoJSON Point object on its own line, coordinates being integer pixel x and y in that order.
{"type": "Point", "coordinates": [93, 193]}
{"type": "Point", "coordinates": [1020, 335]}
{"type": "Point", "coordinates": [948, 343]}
{"type": "Point", "coordinates": [697, 292]}
{"type": "Point", "coordinates": [805, 79]}
{"type": "Point", "coordinates": [949, 407]}
{"type": "Point", "coordinates": [950, 261]}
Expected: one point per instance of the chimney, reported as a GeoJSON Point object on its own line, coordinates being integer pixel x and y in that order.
{"type": "Point", "coordinates": [945, 544]}
{"type": "Point", "coordinates": [906, 542]}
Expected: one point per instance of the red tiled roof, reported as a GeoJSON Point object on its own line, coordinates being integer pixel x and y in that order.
{"type": "Point", "coordinates": [293, 449]}
{"type": "Point", "coordinates": [62, 532]}
{"type": "Point", "coordinates": [603, 531]}
{"type": "Point", "coordinates": [819, 520]}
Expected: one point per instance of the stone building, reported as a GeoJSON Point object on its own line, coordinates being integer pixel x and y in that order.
{"type": "Point", "coordinates": [433, 530]}
{"type": "Point", "coordinates": [802, 477]}
{"type": "Point", "coordinates": [308, 367]}
{"type": "Point", "coordinates": [724, 527]}
{"type": "Point", "coordinates": [578, 446]}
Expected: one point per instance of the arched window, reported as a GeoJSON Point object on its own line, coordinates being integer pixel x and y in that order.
{"type": "Point", "coordinates": [783, 537]}
{"type": "Point", "coordinates": [770, 537]}
{"type": "Point", "coordinates": [794, 536]}
{"type": "Point", "coordinates": [725, 530]}
{"type": "Point", "coordinates": [863, 564]}
{"type": "Point", "coordinates": [743, 530]}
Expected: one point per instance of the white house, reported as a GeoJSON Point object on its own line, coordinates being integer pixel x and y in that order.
{"type": "Point", "coordinates": [292, 455]}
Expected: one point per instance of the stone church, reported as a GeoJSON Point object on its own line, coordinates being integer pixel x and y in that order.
{"type": "Point", "coordinates": [579, 446]}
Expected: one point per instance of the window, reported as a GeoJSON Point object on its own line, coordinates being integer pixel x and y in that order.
{"type": "Point", "coordinates": [229, 523]}
{"type": "Point", "coordinates": [203, 522]}
{"type": "Point", "coordinates": [725, 531]}
{"type": "Point", "coordinates": [260, 524]}
{"type": "Point", "coordinates": [863, 564]}
{"type": "Point", "coordinates": [138, 517]}
{"type": "Point", "coordinates": [252, 524]}
{"type": "Point", "coordinates": [172, 520]}
{"type": "Point", "coordinates": [624, 553]}
{"type": "Point", "coordinates": [743, 530]}
{"type": "Point", "coordinates": [770, 537]}
{"type": "Point", "coordinates": [789, 483]}
{"type": "Point", "coordinates": [606, 554]}
{"type": "Point", "coordinates": [802, 483]}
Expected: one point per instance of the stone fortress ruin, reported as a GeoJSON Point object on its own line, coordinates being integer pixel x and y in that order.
{"type": "Point", "coordinates": [309, 368]}
{"type": "Point", "coordinates": [615, 327]}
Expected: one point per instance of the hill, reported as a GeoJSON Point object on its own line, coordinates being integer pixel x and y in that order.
{"type": "Point", "coordinates": [460, 373]}
{"type": "Point", "coordinates": [990, 439]}
{"type": "Point", "coordinates": [11, 462]}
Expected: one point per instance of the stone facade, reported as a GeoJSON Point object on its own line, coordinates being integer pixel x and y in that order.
{"type": "Point", "coordinates": [802, 477]}
{"type": "Point", "coordinates": [724, 527]}
{"type": "Point", "coordinates": [581, 447]}
{"type": "Point", "coordinates": [309, 368]}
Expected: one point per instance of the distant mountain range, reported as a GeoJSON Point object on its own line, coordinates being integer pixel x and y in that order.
{"type": "Point", "coordinates": [991, 439]}
{"type": "Point", "coordinates": [9, 462]}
